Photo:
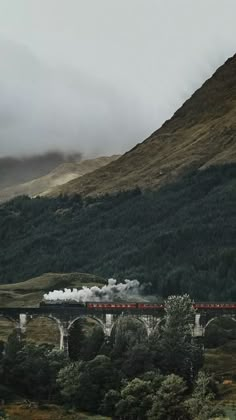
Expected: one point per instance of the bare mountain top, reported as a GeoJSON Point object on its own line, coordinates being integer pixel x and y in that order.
{"type": "Point", "coordinates": [201, 133]}
{"type": "Point", "coordinates": [59, 176]}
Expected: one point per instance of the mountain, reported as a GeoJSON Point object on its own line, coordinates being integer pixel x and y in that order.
{"type": "Point", "coordinates": [15, 170]}
{"type": "Point", "coordinates": [201, 133]}
{"type": "Point", "coordinates": [60, 175]}
{"type": "Point", "coordinates": [178, 239]}
{"type": "Point", "coordinates": [175, 232]}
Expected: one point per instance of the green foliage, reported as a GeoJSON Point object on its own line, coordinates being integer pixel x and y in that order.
{"type": "Point", "coordinates": [84, 384]}
{"type": "Point", "coordinates": [31, 370]}
{"type": "Point", "coordinates": [175, 351]}
{"type": "Point", "coordinates": [202, 405]}
{"type": "Point", "coordinates": [137, 360]}
{"type": "Point", "coordinates": [136, 399]}
{"type": "Point", "coordinates": [85, 341]}
{"type": "Point", "coordinates": [127, 332]}
{"type": "Point", "coordinates": [110, 401]}
{"type": "Point", "coordinates": [157, 397]}
{"type": "Point", "coordinates": [3, 415]}
{"type": "Point", "coordinates": [168, 403]}
{"type": "Point", "coordinates": [180, 239]}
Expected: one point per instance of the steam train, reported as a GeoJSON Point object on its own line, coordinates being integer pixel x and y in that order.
{"type": "Point", "coordinates": [133, 305]}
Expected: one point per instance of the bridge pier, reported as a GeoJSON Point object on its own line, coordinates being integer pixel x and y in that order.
{"type": "Point", "coordinates": [198, 329]}
{"type": "Point", "coordinates": [64, 337]}
{"type": "Point", "coordinates": [108, 325]}
{"type": "Point", "coordinates": [18, 331]}
{"type": "Point", "coordinates": [20, 325]}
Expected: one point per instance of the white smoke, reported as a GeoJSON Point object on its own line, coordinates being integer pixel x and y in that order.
{"type": "Point", "coordinates": [111, 292]}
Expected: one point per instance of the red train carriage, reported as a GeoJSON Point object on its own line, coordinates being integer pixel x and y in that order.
{"type": "Point", "coordinates": [139, 305]}
{"type": "Point", "coordinates": [150, 305]}
{"type": "Point", "coordinates": [210, 305]}
{"type": "Point", "coordinates": [110, 305]}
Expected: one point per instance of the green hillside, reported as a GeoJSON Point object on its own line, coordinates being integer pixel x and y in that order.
{"type": "Point", "coordinates": [181, 238]}
{"type": "Point", "coordinates": [30, 292]}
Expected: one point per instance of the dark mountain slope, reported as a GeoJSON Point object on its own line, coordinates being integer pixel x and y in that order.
{"type": "Point", "coordinates": [181, 238]}
{"type": "Point", "coordinates": [201, 133]}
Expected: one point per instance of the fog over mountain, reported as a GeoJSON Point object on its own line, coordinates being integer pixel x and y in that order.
{"type": "Point", "coordinates": [44, 108]}
{"type": "Point", "coordinates": [98, 77]}
{"type": "Point", "coordinates": [15, 170]}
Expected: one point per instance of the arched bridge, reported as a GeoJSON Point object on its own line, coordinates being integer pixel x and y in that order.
{"type": "Point", "coordinates": [107, 315]}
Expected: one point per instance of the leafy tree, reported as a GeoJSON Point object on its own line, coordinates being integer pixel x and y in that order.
{"type": "Point", "coordinates": [13, 345]}
{"type": "Point", "coordinates": [127, 333]}
{"type": "Point", "coordinates": [202, 405]}
{"type": "Point", "coordinates": [31, 370]}
{"type": "Point", "coordinates": [175, 350]}
{"type": "Point", "coordinates": [85, 340]}
{"type": "Point", "coordinates": [8, 361]}
{"type": "Point", "coordinates": [76, 338]}
{"type": "Point", "coordinates": [84, 384]}
{"type": "Point", "coordinates": [136, 400]}
{"type": "Point", "coordinates": [137, 360]}
{"type": "Point", "coordinates": [168, 403]}
{"type": "Point", "coordinates": [92, 343]}
{"type": "Point", "coordinates": [108, 406]}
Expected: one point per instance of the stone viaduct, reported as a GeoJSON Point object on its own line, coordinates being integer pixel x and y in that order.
{"type": "Point", "coordinates": [66, 316]}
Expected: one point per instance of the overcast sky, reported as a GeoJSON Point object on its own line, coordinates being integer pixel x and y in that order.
{"type": "Point", "coordinates": [99, 76]}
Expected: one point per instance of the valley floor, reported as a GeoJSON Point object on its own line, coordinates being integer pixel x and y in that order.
{"type": "Point", "coordinates": [47, 412]}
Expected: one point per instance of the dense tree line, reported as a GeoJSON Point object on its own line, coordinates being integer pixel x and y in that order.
{"type": "Point", "coordinates": [131, 378]}
{"type": "Point", "coordinates": [180, 239]}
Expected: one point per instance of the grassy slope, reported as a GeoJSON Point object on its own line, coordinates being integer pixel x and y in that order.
{"type": "Point", "coordinates": [201, 133]}
{"type": "Point", "coordinates": [30, 293]}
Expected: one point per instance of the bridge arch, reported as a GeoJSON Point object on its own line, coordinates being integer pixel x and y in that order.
{"type": "Point", "coordinates": [214, 318]}
{"type": "Point", "coordinates": [219, 330]}
{"type": "Point", "coordinates": [84, 317]}
{"type": "Point", "coordinates": [50, 332]}
{"type": "Point", "coordinates": [8, 325]}
{"type": "Point", "coordinates": [125, 317]}
{"type": "Point", "coordinates": [85, 337]}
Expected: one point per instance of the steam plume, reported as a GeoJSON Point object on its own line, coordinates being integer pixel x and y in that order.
{"type": "Point", "coordinates": [111, 292]}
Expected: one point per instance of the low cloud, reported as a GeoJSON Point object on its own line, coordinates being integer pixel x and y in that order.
{"type": "Point", "coordinates": [45, 108]}
{"type": "Point", "coordinates": [15, 170]}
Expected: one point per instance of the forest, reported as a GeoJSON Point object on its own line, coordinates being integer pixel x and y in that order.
{"type": "Point", "coordinates": [179, 239]}
{"type": "Point", "coordinates": [128, 377]}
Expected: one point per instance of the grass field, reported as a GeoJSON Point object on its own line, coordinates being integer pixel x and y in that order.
{"type": "Point", "coordinates": [48, 412]}
{"type": "Point", "coordinates": [221, 362]}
